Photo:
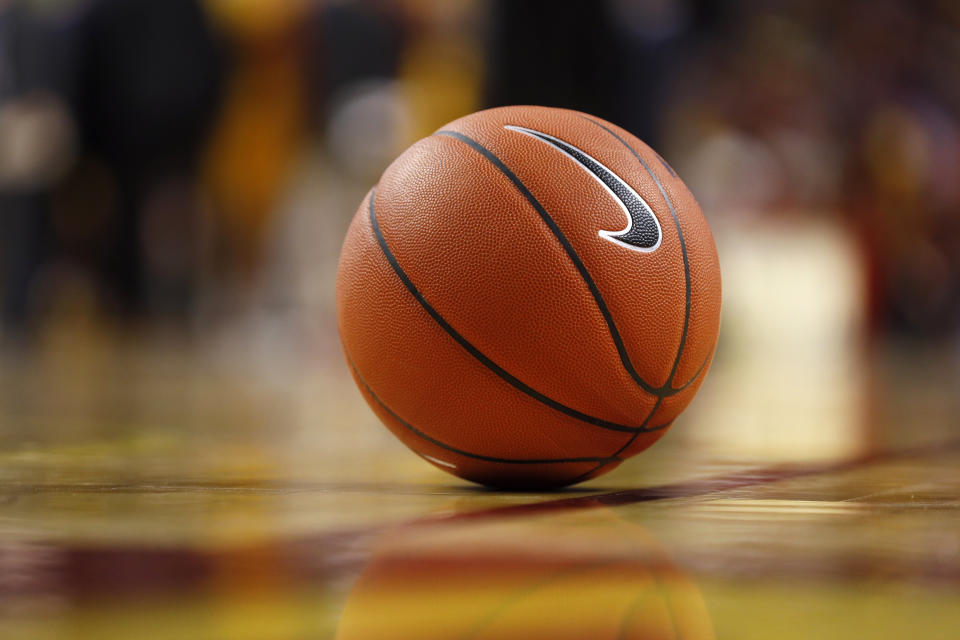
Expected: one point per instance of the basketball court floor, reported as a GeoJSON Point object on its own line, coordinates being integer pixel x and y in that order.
{"type": "Point", "coordinates": [148, 492]}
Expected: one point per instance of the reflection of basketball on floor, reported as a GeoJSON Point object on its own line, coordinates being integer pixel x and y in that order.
{"type": "Point", "coordinates": [528, 297]}
{"type": "Point", "coordinates": [523, 581]}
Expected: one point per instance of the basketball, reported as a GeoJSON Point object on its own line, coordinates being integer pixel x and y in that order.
{"type": "Point", "coordinates": [528, 297]}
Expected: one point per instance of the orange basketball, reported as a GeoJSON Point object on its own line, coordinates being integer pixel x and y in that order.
{"type": "Point", "coordinates": [528, 297]}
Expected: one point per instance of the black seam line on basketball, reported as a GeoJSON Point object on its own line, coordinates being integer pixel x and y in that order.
{"type": "Point", "coordinates": [616, 456]}
{"type": "Point", "coordinates": [666, 165]}
{"type": "Point", "coordinates": [658, 392]}
{"type": "Point", "coordinates": [683, 253]}
{"type": "Point", "coordinates": [686, 274]}
{"type": "Point", "coordinates": [697, 373]}
{"type": "Point", "coordinates": [476, 353]}
{"type": "Point", "coordinates": [642, 232]}
{"type": "Point", "coordinates": [461, 452]}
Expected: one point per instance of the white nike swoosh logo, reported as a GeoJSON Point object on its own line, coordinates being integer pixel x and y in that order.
{"type": "Point", "coordinates": [642, 232]}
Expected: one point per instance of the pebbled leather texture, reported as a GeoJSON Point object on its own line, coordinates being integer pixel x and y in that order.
{"type": "Point", "coordinates": [493, 329]}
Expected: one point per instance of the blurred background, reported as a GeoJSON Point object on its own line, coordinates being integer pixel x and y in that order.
{"type": "Point", "coordinates": [176, 177]}
{"type": "Point", "coordinates": [192, 164]}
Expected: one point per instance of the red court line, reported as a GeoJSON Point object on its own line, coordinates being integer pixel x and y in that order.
{"type": "Point", "coordinates": [694, 488]}
{"type": "Point", "coordinates": [82, 570]}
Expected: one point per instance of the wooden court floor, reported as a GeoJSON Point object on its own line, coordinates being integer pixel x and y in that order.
{"type": "Point", "coordinates": [148, 492]}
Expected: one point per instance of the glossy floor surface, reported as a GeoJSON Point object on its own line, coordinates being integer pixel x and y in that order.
{"type": "Point", "coordinates": [148, 492]}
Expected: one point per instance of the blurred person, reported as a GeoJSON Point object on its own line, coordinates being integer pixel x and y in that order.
{"type": "Point", "coordinates": [902, 120]}
{"type": "Point", "coordinates": [146, 80]}
{"type": "Point", "coordinates": [335, 117]}
{"type": "Point", "coordinates": [748, 116]}
{"type": "Point", "coordinates": [36, 146]}
{"type": "Point", "coordinates": [441, 69]}
{"type": "Point", "coordinates": [613, 59]}
{"type": "Point", "coordinates": [389, 73]}
{"type": "Point", "coordinates": [907, 217]}
{"type": "Point", "coordinates": [259, 136]}
{"type": "Point", "coordinates": [804, 110]}
{"type": "Point", "coordinates": [357, 104]}
{"type": "Point", "coordinates": [351, 43]}
{"type": "Point", "coordinates": [533, 57]}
